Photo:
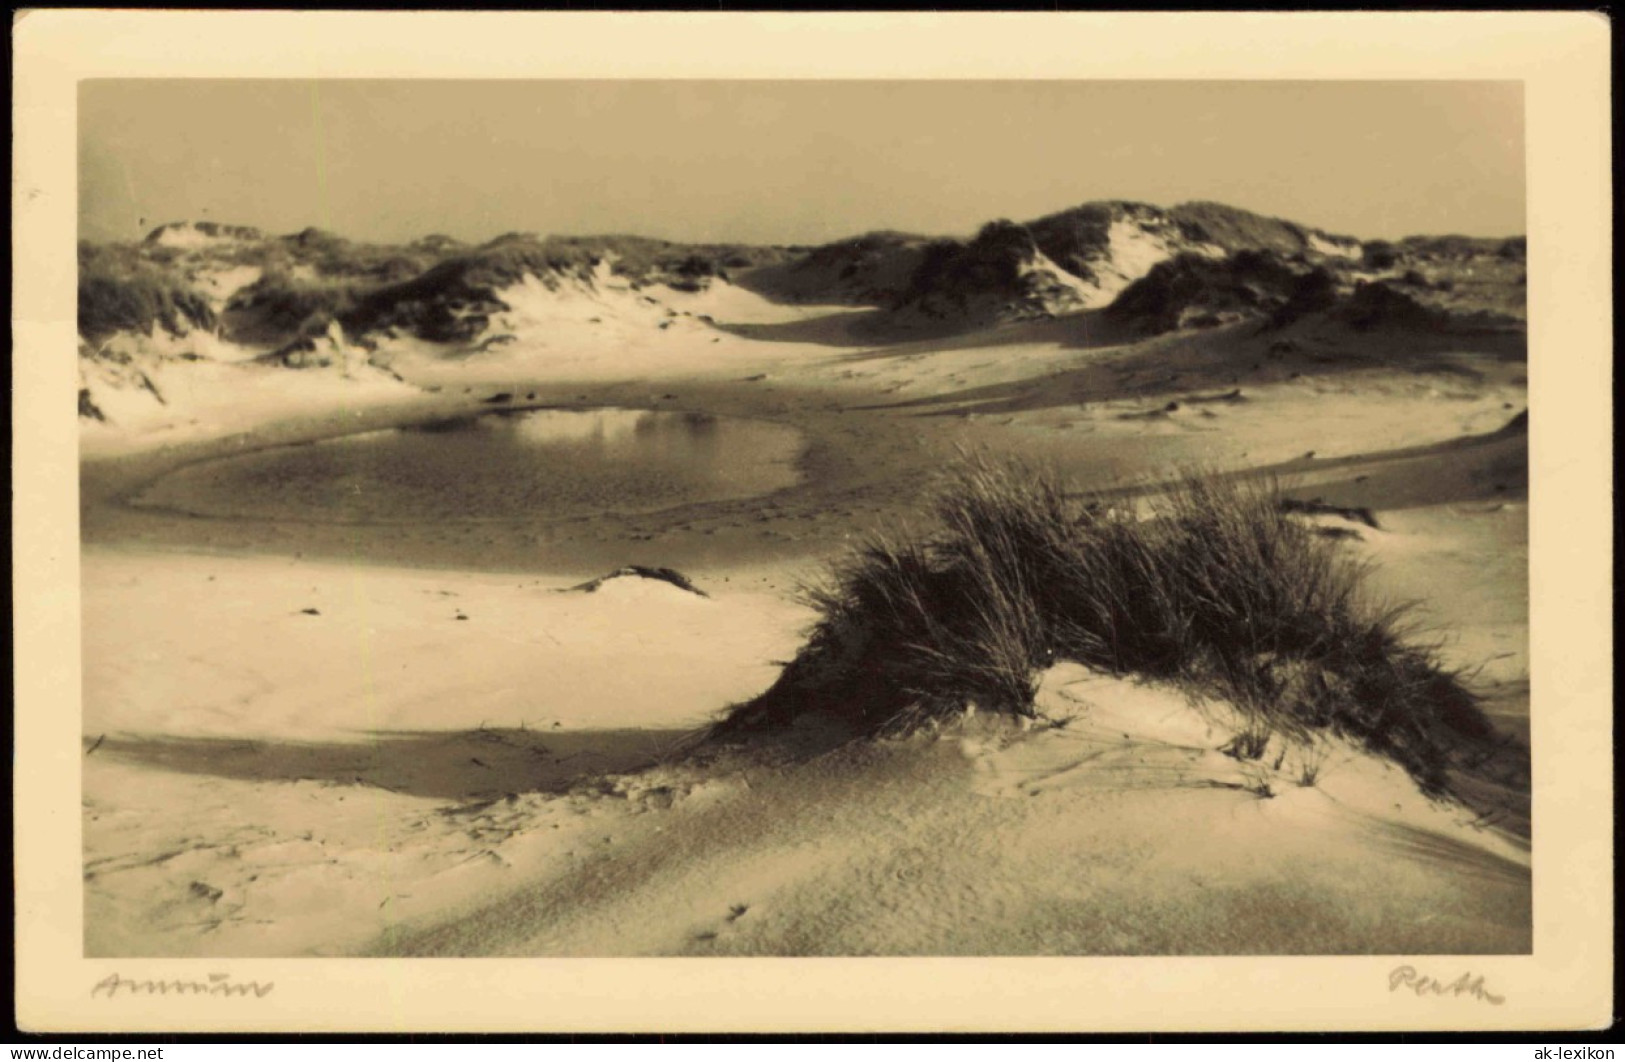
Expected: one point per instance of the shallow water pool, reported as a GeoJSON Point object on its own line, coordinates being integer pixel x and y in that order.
{"type": "Point", "coordinates": [508, 464]}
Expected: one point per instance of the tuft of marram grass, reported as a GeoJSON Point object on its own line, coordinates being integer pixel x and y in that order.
{"type": "Point", "coordinates": [120, 290]}
{"type": "Point", "coordinates": [1208, 583]}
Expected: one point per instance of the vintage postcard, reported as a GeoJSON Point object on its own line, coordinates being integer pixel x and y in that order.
{"type": "Point", "coordinates": [673, 522]}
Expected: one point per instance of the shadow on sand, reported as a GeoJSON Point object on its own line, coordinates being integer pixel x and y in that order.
{"type": "Point", "coordinates": [1172, 365]}
{"type": "Point", "coordinates": [446, 765]}
{"type": "Point", "coordinates": [855, 328]}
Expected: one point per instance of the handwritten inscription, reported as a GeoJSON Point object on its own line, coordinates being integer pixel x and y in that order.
{"type": "Point", "coordinates": [216, 985]}
{"type": "Point", "coordinates": [1465, 985]}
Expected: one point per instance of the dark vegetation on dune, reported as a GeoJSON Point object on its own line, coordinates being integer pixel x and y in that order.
{"type": "Point", "coordinates": [1235, 229]}
{"type": "Point", "coordinates": [989, 273]}
{"type": "Point", "coordinates": [1513, 248]}
{"type": "Point", "coordinates": [897, 270]}
{"type": "Point", "coordinates": [324, 257]}
{"type": "Point", "coordinates": [1269, 267]}
{"type": "Point", "coordinates": [1196, 291]}
{"type": "Point", "coordinates": [120, 290]}
{"type": "Point", "coordinates": [436, 287]}
{"type": "Point", "coordinates": [1075, 239]}
{"type": "Point", "coordinates": [451, 299]}
{"type": "Point", "coordinates": [440, 289]}
{"type": "Point", "coordinates": [283, 305]}
{"type": "Point", "coordinates": [873, 269]}
{"type": "Point", "coordinates": [1192, 290]}
{"type": "Point", "coordinates": [213, 229]}
{"type": "Point", "coordinates": [685, 266]}
{"type": "Point", "coordinates": [1375, 304]}
{"type": "Point", "coordinates": [1220, 589]}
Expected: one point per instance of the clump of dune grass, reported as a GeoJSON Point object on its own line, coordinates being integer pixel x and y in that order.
{"type": "Point", "coordinates": [119, 290]}
{"type": "Point", "coordinates": [1207, 583]}
{"type": "Point", "coordinates": [286, 307]}
{"type": "Point", "coordinates": [906, 633]}
{"type": "Point", "coordinates": [1311, 763]}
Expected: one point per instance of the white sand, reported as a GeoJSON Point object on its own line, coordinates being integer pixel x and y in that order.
{"type": "Point", "coordinates": [606, 331]}
{"type": "Point", "coordinates": [160, 389]}
{"type": "Point", "coordinates": [384, 777]}
{"type": "Point", "coordinates": [1345, 248]}
{"type": "Point", "coordinates": [221, 283]}
{"type": "Point", "coordinates": [232, 724]}
{"type": "Point", "coordinates": [1124, 833]}
{"type": "Point", "coordinates": [1132, 253]}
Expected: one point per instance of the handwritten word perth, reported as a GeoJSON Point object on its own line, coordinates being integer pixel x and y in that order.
{"type": "Point", "coordinates": [216, 985]}
{"type": "Point", "coordinates": [1465, 985]}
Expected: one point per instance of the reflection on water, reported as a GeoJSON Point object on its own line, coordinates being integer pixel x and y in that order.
{"type": "Point", "coordinates": [502, 464]}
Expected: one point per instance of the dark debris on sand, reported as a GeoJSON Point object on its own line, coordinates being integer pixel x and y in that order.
{"type": "Point", "coordinates": [639, 571]}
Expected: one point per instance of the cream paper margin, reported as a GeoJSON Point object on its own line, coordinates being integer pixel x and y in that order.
{"type": "Point", "coordinates": [1562, 59]}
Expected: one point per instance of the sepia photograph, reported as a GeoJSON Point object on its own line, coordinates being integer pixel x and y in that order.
{"type": "Point", "coordinates": [671, 517]}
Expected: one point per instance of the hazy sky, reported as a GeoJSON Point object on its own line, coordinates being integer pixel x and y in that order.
{"type": "Point", "coordinates": [788, 162]}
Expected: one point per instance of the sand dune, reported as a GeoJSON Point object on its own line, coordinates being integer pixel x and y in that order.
{"type": "Point", "coordinates": [1124, 833]}
{"type": "Point", "coordinates": [286, 727]}
{"type": "Point", "coordinates": [306, 737]}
